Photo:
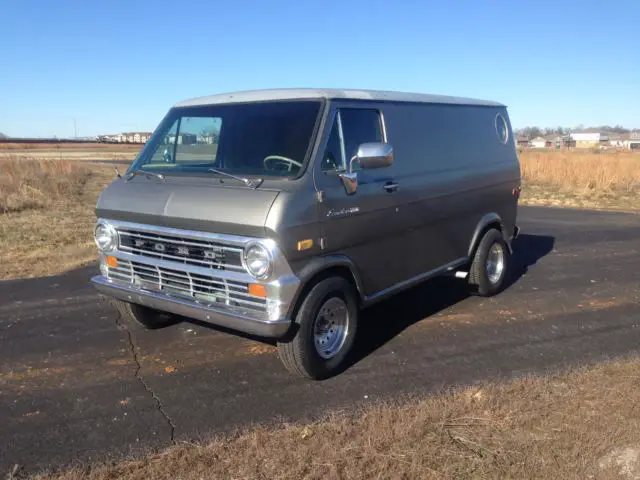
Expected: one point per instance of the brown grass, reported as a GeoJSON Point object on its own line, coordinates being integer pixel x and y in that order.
{"type": "Point", "coordinates": [581, 179]}
{"type": "Point", "coordinates": [46, 215]}
{"type": "Point", "coordinates": [559, 426]}
{"type": "Point", "coordinates": [67, 146]}
{"type": "Point", "coordinates": [27, 184]}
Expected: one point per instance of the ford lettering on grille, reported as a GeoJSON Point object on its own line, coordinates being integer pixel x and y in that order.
{"type": "Point", "coordinates": [185, 250]}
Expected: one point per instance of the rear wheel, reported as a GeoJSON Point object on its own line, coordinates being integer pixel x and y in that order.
{"type": "Point", "coordinates": [326, 326]}
{"type": "Point", "coordinates": [490, 264]}
{"type": "Point", "coordinates": [141, 316]}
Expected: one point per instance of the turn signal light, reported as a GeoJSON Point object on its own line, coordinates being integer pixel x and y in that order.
{"type": "Point", "coordinates": [305, 244]}
{"type": "Point", "coordinates": [111, 261]}
{"type": "Point", "coordinates": [257, 290]}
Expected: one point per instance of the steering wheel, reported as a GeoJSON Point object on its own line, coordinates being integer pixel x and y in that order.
{"type": "Point", "coordinates": [282, 159]}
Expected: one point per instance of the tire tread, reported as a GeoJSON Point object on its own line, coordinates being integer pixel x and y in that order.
{"type": "Point", "coordinates": [477, 275]}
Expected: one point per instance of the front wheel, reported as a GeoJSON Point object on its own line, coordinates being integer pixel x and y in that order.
{"type": "Point", "coordinates": [490, 264]}
{"type": "Point", "coordinates": [326, 325]}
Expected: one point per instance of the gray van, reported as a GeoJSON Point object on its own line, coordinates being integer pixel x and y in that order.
{"type": "Point", "coordinates": [283, 213]}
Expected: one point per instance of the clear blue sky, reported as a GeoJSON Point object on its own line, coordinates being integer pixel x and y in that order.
{"type": "Point", "coordinates": [118, 65]}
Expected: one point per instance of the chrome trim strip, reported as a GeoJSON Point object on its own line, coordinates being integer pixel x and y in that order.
{"type": "Point", "coordinates": [160, 237]}
{"type": "Point", "coordinates": [184, 267]}
{"type": "Point", "coordinates": [187, 283]}
{"type": "Point", "coordinates": [180, 260]}
{"type": "Point", "coordinates": [235, 240]}
{"type": "Point", "coordinates": [382, 294]}
{"type": "Point", "coordinates": [338, 118]}
{"type": "Point", "coordinates": [225, 318]}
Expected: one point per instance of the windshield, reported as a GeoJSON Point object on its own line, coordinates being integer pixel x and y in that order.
{"type": "Point", "coordinates": [253, 139]}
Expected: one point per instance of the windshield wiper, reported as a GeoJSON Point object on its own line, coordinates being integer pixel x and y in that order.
{"type": "Point", "coordinates": [144, 172]}
{"type": "Point", "coordinates": [247, 181]}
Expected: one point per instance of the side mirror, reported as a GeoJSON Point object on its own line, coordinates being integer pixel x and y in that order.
{"type": "Point", "coordinates": [369, 155]}
{"type": "Point", "coordinates": [374, 155]}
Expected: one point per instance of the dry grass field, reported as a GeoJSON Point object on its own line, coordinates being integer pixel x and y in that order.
{"type": "Point", "coordinates": [577, 425]}
{"type": "Point", "coordinates": [582, 179]}
{"type": "Point", "coordinates": [7, 146]}
{"type": "Point", "coordinates": [46, 215]}
{"type": "Point", "coordinates": [69, 151]}
{"type": "Point", "coordinates": [46, 203]}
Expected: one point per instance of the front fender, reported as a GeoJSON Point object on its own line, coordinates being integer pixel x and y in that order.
{"type": "Point", "coordinates": [321, 264]}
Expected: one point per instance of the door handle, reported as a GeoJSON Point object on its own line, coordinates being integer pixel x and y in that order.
{"type": "Point", "coordinates": [391, 187]}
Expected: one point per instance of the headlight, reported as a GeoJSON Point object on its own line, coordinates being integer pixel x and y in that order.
{"type": "Point", "coordinates": [106, 237]}
{"type": "Point", "coordinates": [257, 260]}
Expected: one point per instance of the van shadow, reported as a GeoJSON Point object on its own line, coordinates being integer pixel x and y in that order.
{"type": "Point", "coordinates": [384, 321]}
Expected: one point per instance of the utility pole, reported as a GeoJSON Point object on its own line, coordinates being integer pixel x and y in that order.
{"type": "Point", "coordinates": [75, 129]}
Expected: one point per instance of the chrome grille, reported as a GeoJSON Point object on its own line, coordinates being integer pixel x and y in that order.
{"type": "Point", "coordinates": [189, 251]}
{"type": "Point", "coordinates": [195, 286]}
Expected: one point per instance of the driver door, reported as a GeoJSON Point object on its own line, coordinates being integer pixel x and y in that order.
{"type": "Point", "coordinates": [366, 226]}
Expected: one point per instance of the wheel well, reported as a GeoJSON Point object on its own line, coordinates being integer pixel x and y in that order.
{"type": "Point", "coordinates": [485, 228]}
{"type": "Point", "coordinates": [334, 271]}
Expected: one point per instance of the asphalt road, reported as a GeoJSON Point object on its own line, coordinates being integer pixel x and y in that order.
{"type": "Point", "coordinates": [76, 385]}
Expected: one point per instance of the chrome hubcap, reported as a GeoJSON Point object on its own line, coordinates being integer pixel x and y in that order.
{"type": "Point", "coordinates": [331, 327]}
{"type": "Point", "coordinates": [494, 265]}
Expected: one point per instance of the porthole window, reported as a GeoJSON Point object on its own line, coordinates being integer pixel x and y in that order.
{"type": "Point", "coordinates": [501, 129]}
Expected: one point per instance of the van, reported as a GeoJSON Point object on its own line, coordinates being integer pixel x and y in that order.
{"type": "Point", "coordinates": [283, 213]}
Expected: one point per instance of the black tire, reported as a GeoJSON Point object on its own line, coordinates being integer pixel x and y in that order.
{"type": "Point", "coordinates": [140, 316]}
{"type": "Point", "coordinates": [299, 354]}
{"type": "Point", "coordinates": [478, 276]}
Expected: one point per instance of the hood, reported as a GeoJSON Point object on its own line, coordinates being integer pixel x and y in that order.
{"type": "Point", "coordinates": [189, 204]}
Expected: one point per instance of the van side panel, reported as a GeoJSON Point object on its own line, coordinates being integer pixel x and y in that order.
{"type": "Point", "coordinates": [455, 170]}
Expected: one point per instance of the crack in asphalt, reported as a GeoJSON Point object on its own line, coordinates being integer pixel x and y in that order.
{"type": "Point", "coordinates": [133, 348]}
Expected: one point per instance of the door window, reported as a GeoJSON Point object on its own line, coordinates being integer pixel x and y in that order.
{"type": "Point", "coordinates": [359, 125]}
{"type": "Point", "coordinates": [333, 158]}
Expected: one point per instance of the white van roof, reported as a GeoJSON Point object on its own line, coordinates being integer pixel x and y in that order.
{"type": "Point", "coordinates": [330, 93]}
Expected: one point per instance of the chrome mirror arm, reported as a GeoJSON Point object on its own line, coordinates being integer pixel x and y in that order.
{"type": "Point", "coordinates": [349, 178]}
{"type": "Point", "coordinates": [353, 159]}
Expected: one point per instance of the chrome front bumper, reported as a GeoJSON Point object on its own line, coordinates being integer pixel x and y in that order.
{"type": "Point", "coordinates": [206, 313]}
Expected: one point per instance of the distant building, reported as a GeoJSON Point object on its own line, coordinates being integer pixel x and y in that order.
{"type": "Point", "coordinates": [553, 141]}
{"type": "Point", "coordinates": [127, 137]}
{"type": "Point", "coordinates": [208, 139]}
{"type": "Point", "coordinates": [538, 142]}
{"type": "Point", "coordinates": [589, 139]}
{"type": "Point", "coordinates": [108, 138]}
{"type": "Point", "coordinates": [136, 137]}
{"type": "Point", "coordinates": [548, 141]}
{"type": "Point", "coordinates": [619, 140]}
{"type": "Point", "coordinates": [183, 139]}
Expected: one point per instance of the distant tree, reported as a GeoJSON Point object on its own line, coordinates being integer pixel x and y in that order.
{"type": "Point", "coordinates": [2, 135]}
{"type": "Point", "coordinates": [554, 131]}
{"type": "Point", "coordinates": [531, 132]}
{"type": "Point", "coordinates": [620, 129]}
